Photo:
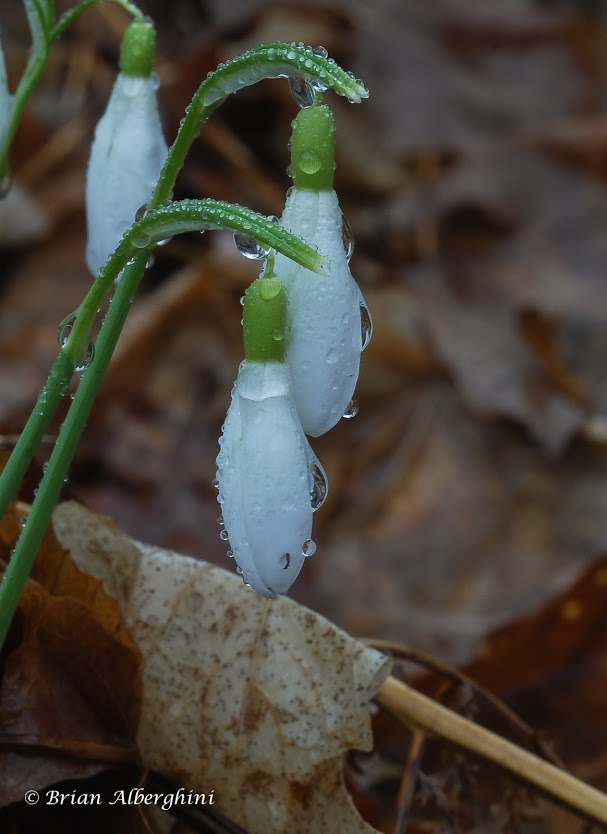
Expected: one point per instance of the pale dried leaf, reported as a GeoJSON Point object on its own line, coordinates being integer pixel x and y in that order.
{"type": "Point", "coordinates": [255, 700]}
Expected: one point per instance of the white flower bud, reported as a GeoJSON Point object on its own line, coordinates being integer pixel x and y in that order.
{"type": "Point", "coordinates": [266, 477]}
{"type": "Point", "coordinates": [323, 316]}
{"type": "Point", "coordinates": [127, 156]}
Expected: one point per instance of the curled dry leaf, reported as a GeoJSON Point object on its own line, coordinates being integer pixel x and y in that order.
{"type": "Point", "coordinates": [257, 701]}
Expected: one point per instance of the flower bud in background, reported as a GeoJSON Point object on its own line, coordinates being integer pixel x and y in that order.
{"type": "Point", "coordinates": [128, 150]}
{"type": "Point", "coordinates": [268, 477]}
{"type": "Point", "coordinates": [328, 323]}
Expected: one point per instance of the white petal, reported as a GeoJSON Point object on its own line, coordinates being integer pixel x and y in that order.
{"type": "Point", "coordinates": [126, 159]}
{"type": "Point", "coordinates": [323, 317]}
{"type": "Point", "coordinates": [264, 479]}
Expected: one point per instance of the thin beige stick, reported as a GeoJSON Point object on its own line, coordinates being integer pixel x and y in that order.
{"type": "Point", "coordinates": [412, 707]}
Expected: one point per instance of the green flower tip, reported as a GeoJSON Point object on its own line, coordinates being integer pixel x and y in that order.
{"type": "Point", "coordinates": [313, 149]}
{"type": "Point", "coordinates": [138, 49]}
{"type": "Point", "coordinates": [264, 320]}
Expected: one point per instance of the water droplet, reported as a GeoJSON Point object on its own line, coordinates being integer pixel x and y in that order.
{"type": "Point", "coordinates": [366, 325]}
{"type": "Point", "coordinates": [278, 334]}
{"type": "Point", "coordinates": [230, 554]}
{"type": "Point", "coordinates": [215, 483]}
{"type": "Point", "coordinates": [156, 81]}
{"type": "Point", "coordinates": [220, 521]}
{"type": "Point", "coordinates": [87, 359]}
{"type": "Point", "coordinates": [242, 300]}
{"type": "Point", "coordinates": [22, 522]}
{"type": "Point", "coordinates": [238, 569]}
{"type": "Point", "coordinates": [351, 410]}
{"type": "Point", "coordinates": [290, 191]}
{"type": "Point", "coordinates": [285, 561]}
{"type": "Point", "coordinates": [6, 183]}
{"type": "Point", "coordinates": [149, 263]}
{"type": "Point", "coordinates": [65, 328]}
{"type": "Point", "coordinates": [302, 91]}
{"type": "Point", "coordinates": [309, 548]}
{"type": "Point", "coordinates": [224, 536]}
{"type": "Point", "coordinates": [332, 356]}
{"type": "Point", "coordinates": [347, 237]}
{"type": "Point", "coordinates": [250, 248]}
{"type": "Point", "coordinates": [309, 162]}
{"type": "Point", "coordinates": [319, 486]}
{"type": "Point", "coordinates": [321, 51]}
{"type": "Point", "coordinates": [140, 213]}
{"type": "Point", "coordinates": [141, 240]}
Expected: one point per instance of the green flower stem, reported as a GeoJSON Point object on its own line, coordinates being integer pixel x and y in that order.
{"type": "Point", "coordinates": [23, 556]}
{"type": "Point", "coordinates": [274, 60]}
{"type": "Point", "coordinates": [35, 428]}
{"type": "Point", "coordinates": [66, 20]}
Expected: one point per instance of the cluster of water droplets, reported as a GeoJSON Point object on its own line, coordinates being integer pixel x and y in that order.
{"type": "Point", "coordinates": [304, 90]}
{"type": "Point", "coordinates": [63, 334]}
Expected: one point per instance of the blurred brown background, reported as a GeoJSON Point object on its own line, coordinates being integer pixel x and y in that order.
{"type": "Point", "coordinates": [473, 482]}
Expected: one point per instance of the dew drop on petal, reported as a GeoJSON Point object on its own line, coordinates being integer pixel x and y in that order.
{"type": "Point", "coordinates": [215, 483]}
{"type": "Point", "coordinates": [301, 90]}
{"type": "Point", "coordinates": [230, 554]}
{"type": "Point", "coordinates": [238, 569]}
{"type": "Point", "coordinates": [366, 325]}
{"type": "Point", "coordinates": [224, 536]}
{"type": "Point", "coordinates": [220, 521]}
{"type": "Point", "coordinates": [285, 561]}
{"type": "Point", "coordinates": [6, 183]}
{"type": "Point", "coordinates": [347, 237]}
{"type": "Point", "coordinates": [250, 248]}
{"type": "Point", "coordinates": [309, 548]}
{"type": "Point", "coordinates": [319, 487]}
{"type": "Point", "coordinates": [351, 410]}
{"type": "Point", "coordinates": [155, 81]}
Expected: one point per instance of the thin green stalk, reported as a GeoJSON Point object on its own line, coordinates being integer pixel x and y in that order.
{"type": "Point", "coordinates": [35, 428]}
{"type": "Point", "coordinates": [24, 555]}
{"type": "Point", "coordinates": [66, 20]}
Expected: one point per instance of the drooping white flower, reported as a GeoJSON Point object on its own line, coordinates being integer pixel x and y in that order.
{"type": "Point", "coordinates": [324, 339]}
{"type": "Point", "coordinates": [269, 479]}
{"type": "Point", "coordinates": [126, 158]}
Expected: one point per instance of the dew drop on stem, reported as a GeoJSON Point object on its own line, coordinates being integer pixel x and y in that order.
{"type": "Point", "coordinates": [302, 91]}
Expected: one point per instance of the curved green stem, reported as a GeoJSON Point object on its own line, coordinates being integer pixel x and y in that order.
{"type": "Point", "coordinates": [66, 20]}
{"type": "Point", "coordinates": [273, 60]}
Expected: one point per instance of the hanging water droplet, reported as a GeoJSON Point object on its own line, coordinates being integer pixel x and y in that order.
{"type": "Point", "coordinates": [319, 486]}
{"type": "Point", "coordinates": [149, 263]}
{"type": "Point", "coordinates": [309, 548]}
{"type": "Point", "coordinates": [224, 536]}
{"type": "Point", "coordinates": [290, 191]}
{"type": "Point", "coordinates": [140, 213]}
{"type": "Point", "coordinates": [242, 300]}
{"type": "Point", "coordinates": [321, 51]}
{"type": "Point", "coordinates": [366, 325]}
{"type": "Point", "coordinates": [309, 161]}
{"type": "Point", "coordinates": [272, 218]}
{"type": "Point", "coordinates": [301, 90]}
{"type": "Point", "coordinates": [250, 248]}
{"type": "Point", "coordinates": [347, 237]}
{"type": "Point", "coordinates": [285, 561]}
{"type": "Point", "coordinates": [87, 359]}
{"type": "Point", "coordinates": [351, 410]}
{"type": "Point", "coordinates": [6, 183]}
{"type": "Point", "coordinates": [141, 240]}
{"type": "Point", "coordinates": [239, 569]}
{"type": "Point", "coordinates": [65, 328]}
{"type": "Point", "coordinates": [230, 554]}
{"type": "Point", "coordinates": [215, 483]}
{"type": "Point", "coordinates": [220, 521]}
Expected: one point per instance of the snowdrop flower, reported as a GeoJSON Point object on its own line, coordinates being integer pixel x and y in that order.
{"type": "Point", "coordinates": [128, 151]}
{"type": "Point", "coordinates": [268, 477]}
{"type": "Point", "coordinates": [328, 323]}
